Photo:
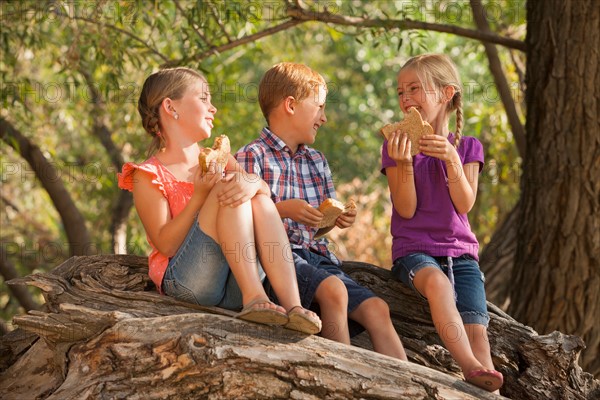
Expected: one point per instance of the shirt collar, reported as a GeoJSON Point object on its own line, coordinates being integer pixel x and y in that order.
{"type": "Point", "coordinates": [275, 142]}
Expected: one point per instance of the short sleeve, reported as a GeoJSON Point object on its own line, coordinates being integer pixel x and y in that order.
{"type": "Point", "coordinates": [249, 161]}
{"type": "Point", "coordinates": [126, 178]}
{"type": "Point", "coordinates": [471, 151]}
{"type": "Point", "coordinates": [386, 160]}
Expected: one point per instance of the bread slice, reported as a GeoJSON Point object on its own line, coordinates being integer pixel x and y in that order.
{"type": "Point", "coordinates": [332, 209]}
{"type": "Point", "coordinates": [413, 125]}
{"type": "Point", "coordinates": [219, 153]}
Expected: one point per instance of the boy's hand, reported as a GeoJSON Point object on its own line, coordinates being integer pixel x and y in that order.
{"type": "Point", "coordinates": [346, 219]}
{"type": "Point", "coordinates": [300, 211]}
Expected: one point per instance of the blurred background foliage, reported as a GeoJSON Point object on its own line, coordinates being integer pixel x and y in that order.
{"type": "Point", "coordinates": [55, 55]}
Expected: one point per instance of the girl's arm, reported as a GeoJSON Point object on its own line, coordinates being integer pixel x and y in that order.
{"type": "Point", "coordinates": [401, 177]}
{"type": "Point", "coordinates": [462, 183]}
{"type": "Point", "coordinates": [166, 233]}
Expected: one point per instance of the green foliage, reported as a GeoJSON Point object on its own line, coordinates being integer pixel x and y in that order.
{"type": "Point", "coordinates": [56, 55]}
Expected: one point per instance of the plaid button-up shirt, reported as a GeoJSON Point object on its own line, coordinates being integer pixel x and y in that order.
{"type": "Point", "coordinates": [303, 175]}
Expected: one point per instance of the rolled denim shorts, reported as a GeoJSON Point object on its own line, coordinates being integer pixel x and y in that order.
{"type": "Point", "coordinates": [469, 282]}
{"type": "Point", "coordinates": [311, 270]}
{"type": "Point", "coordinates": [199, 273]}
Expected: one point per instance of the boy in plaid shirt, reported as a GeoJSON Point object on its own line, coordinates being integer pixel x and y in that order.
{"type": "Point", "coordinates": [292, 99]}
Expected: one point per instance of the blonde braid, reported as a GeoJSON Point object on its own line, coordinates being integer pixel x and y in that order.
{"type": "Point", "coordinates": [457, 103]}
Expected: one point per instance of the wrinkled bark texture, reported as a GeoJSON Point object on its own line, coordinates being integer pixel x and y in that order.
{"type": "Point", "coordinates": [556, 277]}
{"type": "Point", "coordinates": [106, 333]}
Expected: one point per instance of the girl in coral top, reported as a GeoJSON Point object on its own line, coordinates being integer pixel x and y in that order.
{"type": "Point", "coordinates": [213, 235]}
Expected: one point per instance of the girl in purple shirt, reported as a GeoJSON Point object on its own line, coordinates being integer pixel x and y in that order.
{"type": "Point", "coordinates": [434, 250]}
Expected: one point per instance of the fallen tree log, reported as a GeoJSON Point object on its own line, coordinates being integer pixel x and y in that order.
{"type": "Point", "coordinates": [106, 333]}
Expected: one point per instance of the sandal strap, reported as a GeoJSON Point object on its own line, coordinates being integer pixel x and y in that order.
{"type": "Point", "coordinates": [293, 308]}
{"type": "Point", "coordinates": [258, 301]}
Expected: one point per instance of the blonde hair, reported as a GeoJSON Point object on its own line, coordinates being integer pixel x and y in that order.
{"type": "Point", "coordinates": [166, 83]}
{"type": "Point", "coordinates": [437, 71]}
{"type": "Point", "coordinates": [287, 79]}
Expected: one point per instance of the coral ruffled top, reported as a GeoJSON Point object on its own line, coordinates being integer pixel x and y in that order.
{"type": "Point", "coordinates": [176, 192]}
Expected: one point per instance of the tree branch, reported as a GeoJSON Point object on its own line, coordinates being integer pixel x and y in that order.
{"type": "Point", "coordinates": [500, 79]}
{"type": "Point", "coordinates": [123, 31]}
{"type": "Point", "coordinates": [200, 34]}
{"type": "Point", "coordinates": [300, 14]}
{"type": "Point", "coordinates": [236, 43]}
{"type": "Point", "coordinates": [21, 293]}
{"type": "Point", "coordinates": [218, 21]}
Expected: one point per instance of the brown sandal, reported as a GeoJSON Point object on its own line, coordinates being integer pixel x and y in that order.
{"type": "Point", "coordinates": [266, 316]}
{"type": "Point", "coordinates": [301, 322]}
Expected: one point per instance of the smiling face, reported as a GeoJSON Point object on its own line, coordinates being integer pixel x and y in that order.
{"type": "Point", "coordinates": [195, 110]}
{"type": "Point", "coordinates": [412, 92]}
{"type": "Point", "coordinates": [309, 115]}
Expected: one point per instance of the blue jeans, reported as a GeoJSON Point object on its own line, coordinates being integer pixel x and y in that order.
{"type": "Point", "coordinates": [468, 286]}
{"type": "Point", "coordinates": [199, 273]}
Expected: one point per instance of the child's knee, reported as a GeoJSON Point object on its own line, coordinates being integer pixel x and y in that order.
{"type": "Point", "coordinates": [378, 308]}
{"type": "Point", "coordinates": [432, 282]}
{"type": "Point", "coordinates": [372, 313]}
{"type": "Point", "coordinates": [332, 292]}
{"type": "Point", "coordinates": [262, 203]}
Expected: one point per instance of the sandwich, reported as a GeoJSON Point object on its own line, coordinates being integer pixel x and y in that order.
{"type": "Point", "coordinates": [414, 127]}
{"type": "Point", "coordinates": [219, 153]}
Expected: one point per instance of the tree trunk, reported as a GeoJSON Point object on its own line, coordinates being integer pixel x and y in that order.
{"type": "Point", "coordinates": [108, 334]}
{"type": "Point", "coordinates": [497, 260]}
{"type": "Point", "coordinates": [73, 222]}
{"type": "Point", "coordinates": [556, 277]}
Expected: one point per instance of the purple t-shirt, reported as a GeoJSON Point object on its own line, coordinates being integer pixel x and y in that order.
{"type": "Point", "coordinates": [436, 228]}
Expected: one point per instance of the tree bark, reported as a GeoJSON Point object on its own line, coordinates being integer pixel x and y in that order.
{"type": "Point", "coordinates": [73, 222]}
{"type": "Point", "coordinates": [556, 278]}
{"type": "Point", "coordinates": [497, 260]}
{"type": "Point", "coordinates": [108, 334]}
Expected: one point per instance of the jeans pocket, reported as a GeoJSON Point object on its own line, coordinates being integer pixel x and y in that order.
{"type": "Point", "coordinates": [177, 291]}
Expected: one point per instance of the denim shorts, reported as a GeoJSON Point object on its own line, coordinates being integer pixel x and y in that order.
{"type": "Point", "coordinates": [311, 270]}
{"type": "Point", "coordinates": [468, 282]}
{"type": "Point", "coordinates": [199, 273]}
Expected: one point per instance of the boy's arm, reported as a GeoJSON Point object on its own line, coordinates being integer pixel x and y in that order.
{"type": "Point", "coordinates": [300, 211]}
{"type": "Point", "coordinates": [346, 219]}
